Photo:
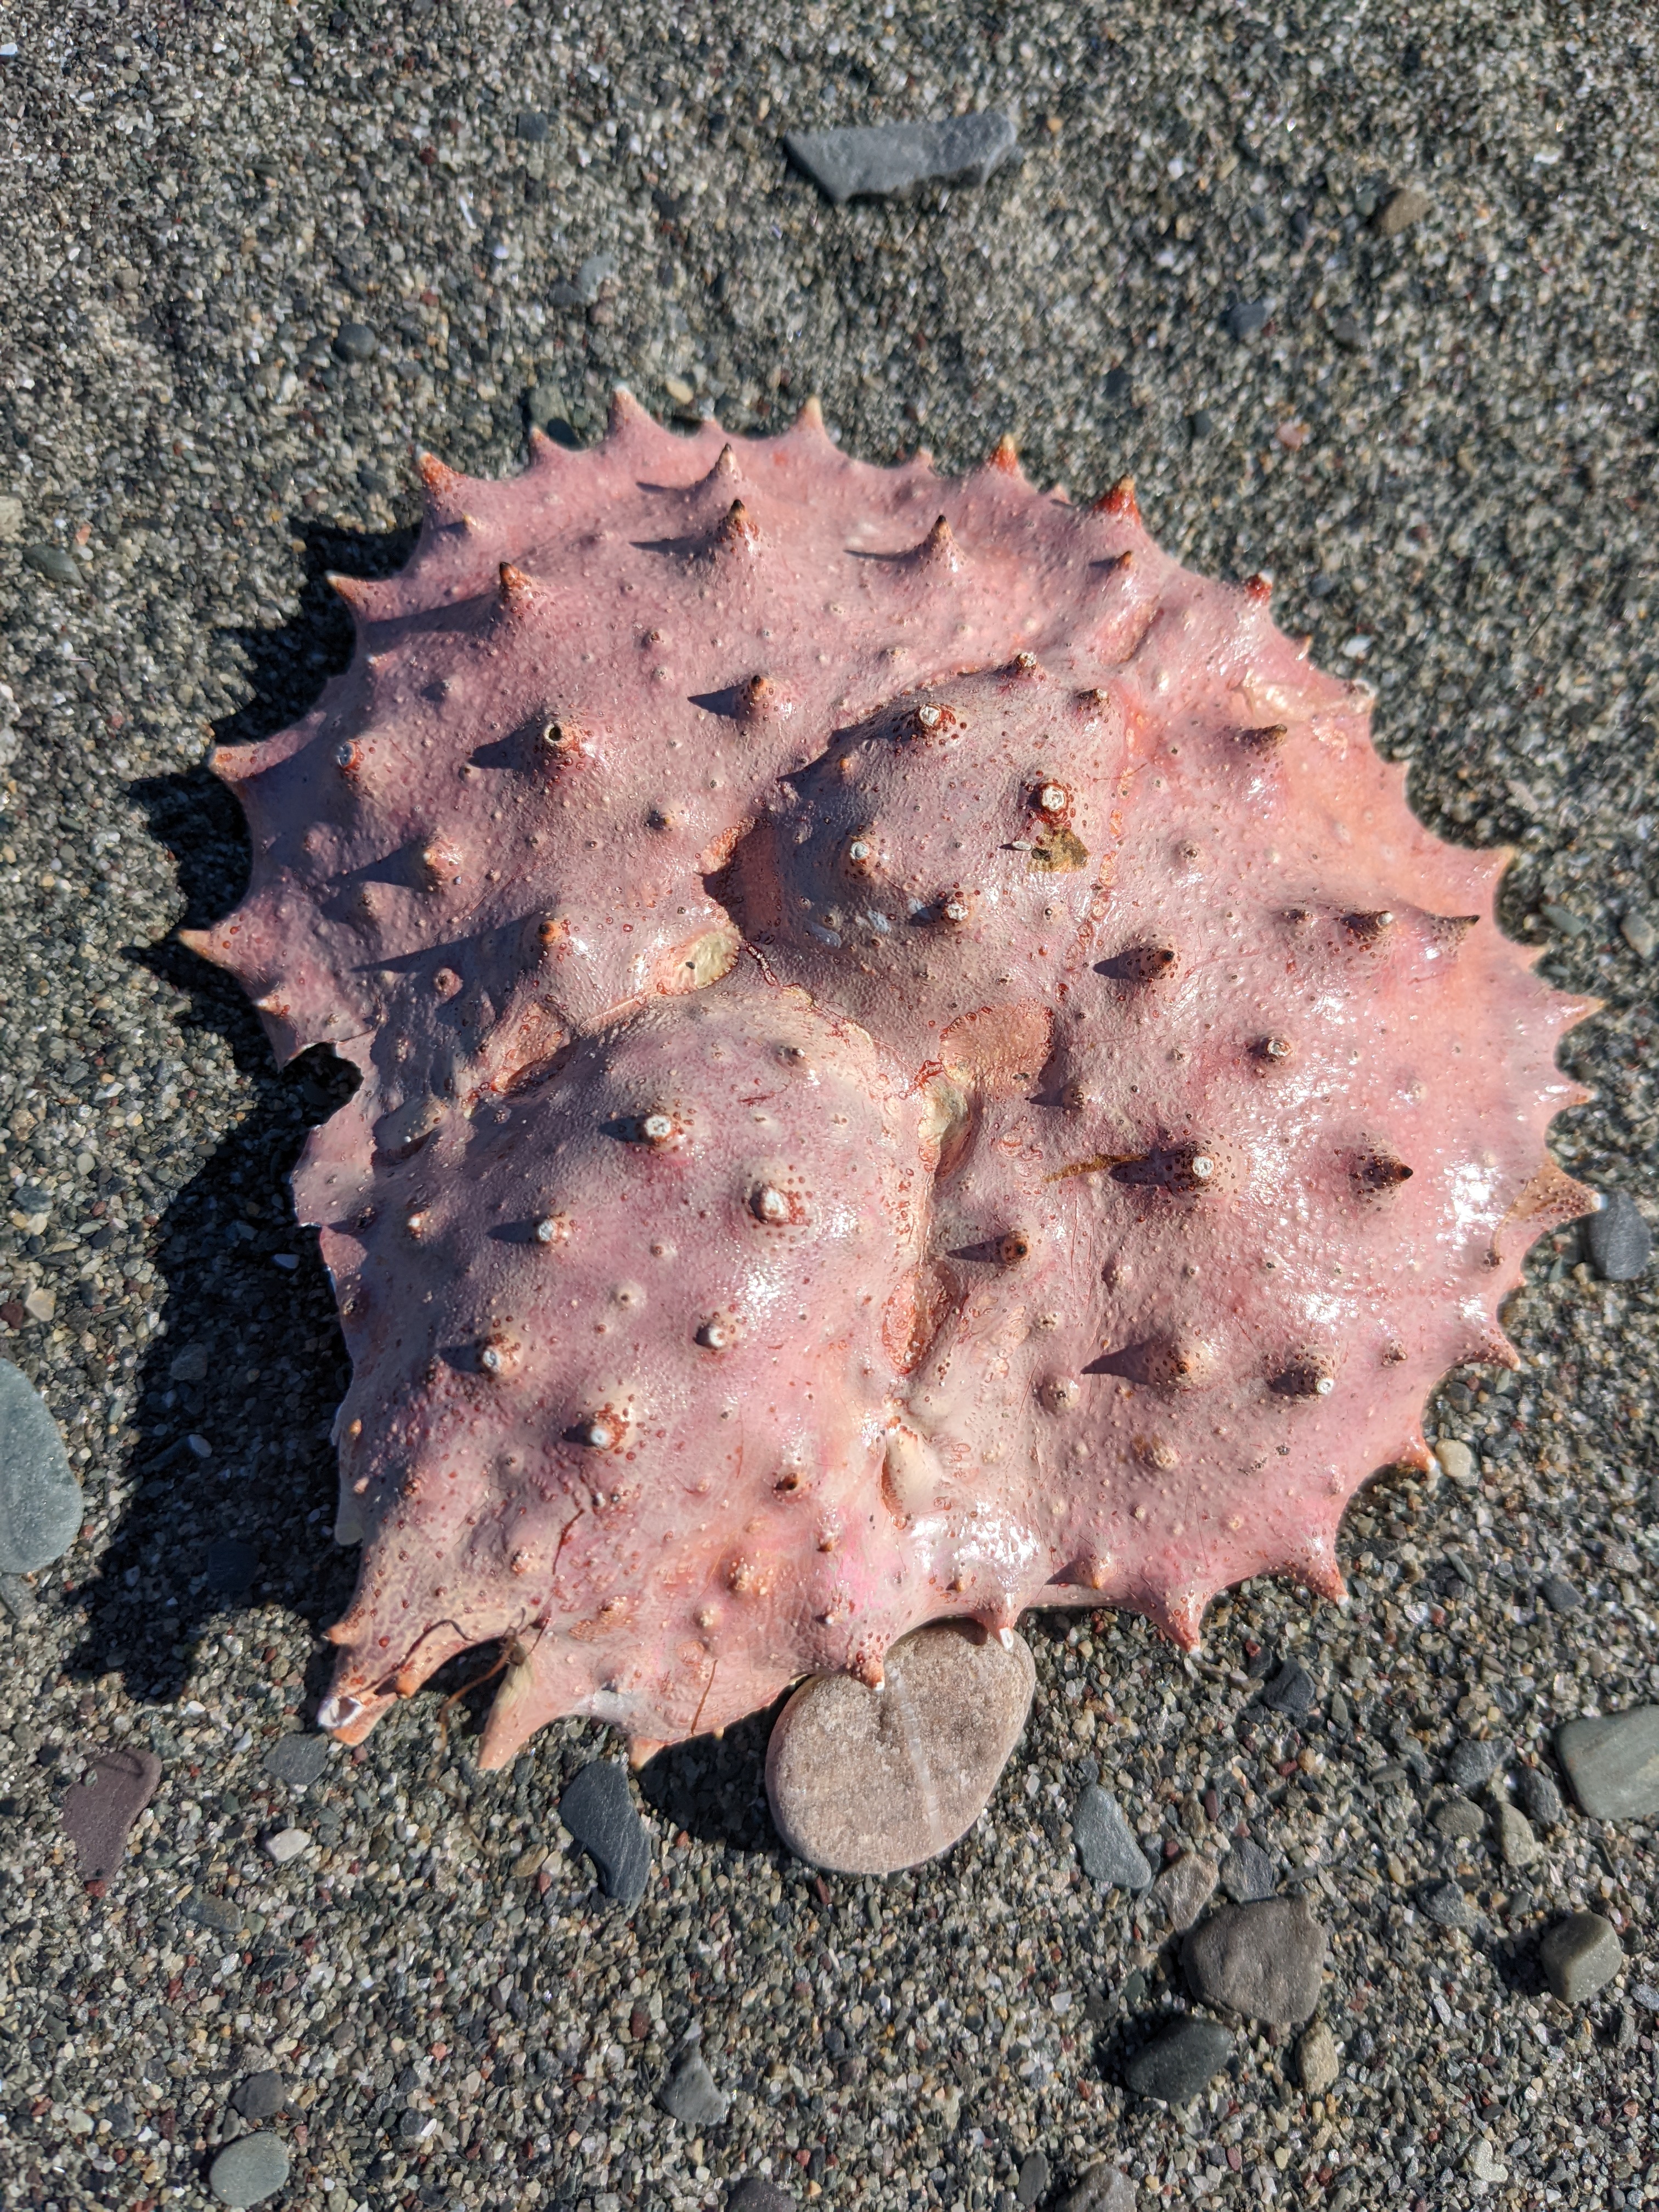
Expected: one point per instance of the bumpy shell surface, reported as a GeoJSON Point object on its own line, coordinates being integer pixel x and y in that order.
{"type": "Point", "coordinates": [914, 1063]}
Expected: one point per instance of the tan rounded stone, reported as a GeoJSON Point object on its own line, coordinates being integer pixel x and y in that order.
{"type": "Point", "coordinates": [866, 1781]}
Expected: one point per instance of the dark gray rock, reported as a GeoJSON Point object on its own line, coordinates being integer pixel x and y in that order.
{"type": "Point", "coordinates": [1291, 1691]}
{"type": "Point", "coordinates": [598, 1807]}
{"type": "Point", "coordinates": [1560, 1594]}
{"type": "Point", "coordinates": [1580, 1955]}
{"type": "Point", "coordinates": [1472, 1763]}
{"type": "Point", "coordinates": [215, 1913]}
{"type": "Point", "coordinates": [1444, 1903]}
{"type": "Point", "coordinates": [1183, 2059]}
{"type": "Point", "coordinates": [532, 126]}
{"type": "Point", "coordinates": [40, 1498]}
{"type": "Point", "coordinates": [53, 563]}
{"type": "Point", "coordinates": [1245, 317]}
{"type": "Point", "coordinates": [689, 2095]}
{"type": "Point", "coordinates": [1539, 1798]}
{"type": "Point", "coordinates": [1104, 2188]}
{"type": "Point", "coordinates": [297, 1759]}
{"type": "Point", "coordinates": [231, 1566]}
{"type": "Point", "coordinates": [1264, 1960]}
{"type": "Point", "coordinates": [1106, 1843]}
{"type": "Point", "coordinates": [261, 2096]}
{"type": "Point", "coordinates": [1247, 1872]}
{"type": "Point", "coordinates": [756, 2194]}
{"type": "Point", "coordinates": [249, 2170]}
{"type": "Point", "coordinates": [1618, 1240]}
{"type": "Point", "coordinates": [100, 1810]}
{"type": "Point", "coordinates": [1033, 2183]}
{"type": "Point", "coordinates": [1613, 1763]}
{"type": "Point", "coordinates": [1457, 1817]}
{"type": "Point", "coordinates": [353, 342]}
{"type": "Point", "coordinates": [873, 160]}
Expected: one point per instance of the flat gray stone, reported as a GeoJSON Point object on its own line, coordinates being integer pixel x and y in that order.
{"type": "Point", "coordinates": [1560, 1594]}
{"type": "Point", "coordinates": [1618, 1239]}
{"type": "Point", "coordinates": [261, 2096]}
{"type": "Point", "coordinates": [1103, 2188]}
{"type": "Point", "coordinates": [1033, 2182]}
{"type": "Point", "coordinates": [1106, 1843]}
{"type": "Point", "coordinates": [1471, 1763]}
{"type": "Point", "coordinates": [1580, 1955]}
{"type": "Point", "coordinates": [1517, 1846]}
{"type": "Point", "coordinates": [1613, 1763]}
{"type": "Point", "coordinates": [867, 1781]}
{"type": "Point", "coordinates": [1184, 1888]}
{"type": "Point", "coordinates": [1265, 1961]}
{"type": "Point", "coordinates": [1445, 1904]}
{"type": "Point", "coordinates": [1458, 1817]}
{"type": "Point", "coordinates": [1291, 1691]}
{"type": "Point", "coordinates": [873, 160]}
{"type": "Point", "coordinates": [1540, 1797]}
{"type": "Point", "coordinates": [297, 1760]}
{"type": "Point", "coordinates": [40, 1498]}
{"type": "Point", "coordinates": [754, 2193]}
{"type": "Point", "coordinates": [249, 2170]}
{"type": "Point", "coordinates": [1184, 2059]}
{"type": "Point", "coordinates": [1247, 1872]}
{"type": "Point", "coordinates": [598, 1807]}
{"type": "Point", "coordinates": [689, 2095]}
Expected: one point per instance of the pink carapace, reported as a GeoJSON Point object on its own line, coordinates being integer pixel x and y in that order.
{"type": "Point", "coordinates": [915, 1062]}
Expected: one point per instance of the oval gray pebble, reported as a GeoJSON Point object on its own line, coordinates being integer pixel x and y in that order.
{"type": "Point", "coordinates": [39, 1497]}
{"type": "Point", "coordinates": [53, 563]}
{"type": "Point", "coordinates": [1618, 1240]}
{"type": "Point", "coordinates": [249, 2170]}
{"type": "Point", "coordinates": [1184, 2059]}
{"type": "Point", "coordinates": [353, 342]}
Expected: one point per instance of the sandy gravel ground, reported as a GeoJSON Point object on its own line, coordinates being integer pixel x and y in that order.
{"type": "Point", "coordinates": [1440, 444]}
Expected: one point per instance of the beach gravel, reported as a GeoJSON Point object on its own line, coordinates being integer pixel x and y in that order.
{"type": "Point", "coordinates": [256, 259]}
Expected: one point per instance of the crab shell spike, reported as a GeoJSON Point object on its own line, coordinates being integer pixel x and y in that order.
{"type": "Point", "coordinates": [544, 450]}
{"type": "Point", "coordinates": [1004, 456]}
{"type": "Point", "coordinates": [519, 1707]}
{"type": "Point", "coordinates": [759, 700]}
{"type": "Point", "coordinates": [627, 417]}
{"type": "Point", "coordinates": [444, 485]}
{"type": "Point", "coordinates": [737, 529]}
{"type": "Point", "coordinates": [358, 594]}
{"type": "Point", "coordinates": [937, 549]}
{"type": "Point", "coordinates": [207, 945]}
{"type": "Point", "coordinates": [519, 592]}
{"type": "Point", "coordinates": [725, 471]}
{"type": "Point", "coordinates": [234, 764]}
{"type": "Point", "coordinates": [811, 418]}
{"type": "Point", "coordinates": [1120, 502]}
{"type": "Point", "coordinates": [1259, 589]}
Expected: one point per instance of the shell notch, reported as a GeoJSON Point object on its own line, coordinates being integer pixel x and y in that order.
{"type": "Point", "coordinates": [859, 1124]}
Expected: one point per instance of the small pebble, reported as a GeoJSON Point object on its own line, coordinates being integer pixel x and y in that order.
{"type": "Point", "coordinates": [1401, 210]}
{"type": "Point", "coordinates": [1247, 1872]}
{"type": "Point", "coordinates": [1541, 1797]}
{"type": "Point", "coordinates": [531, 126]}
{"type": "Point", "coordinates": [231, 1567]}
{"type": "Point", "coordinates": [1639, 934]}
{"type": "Point", "coordinates": [100, 1810]}
{"type": "Point", "coordinates": [1457, 1461]}
{"type": "Point", "coordinates": [353, 342]}
{"type": "Point", "coordinates": [1580, 1955]}
{"type": "Point", "coordinates": [1471, 1763]}
{"type": "Point", "coordinates": [191, 1365]}
{"type": "Point", "coordinates": [1484, 2163]}
{"type": "Point", "coordinates": [1183, 2059]}
{"type": "Point", "coordinates": [53, 563]}
{"type": "Point", "coordinates": [1103, 2188]}
{"type": "Point", "coordinates": [297, 1759]}
{"type": "Point", "coordinates": [689, 2094]}
{"type": "Point", "coordinates": [1618, 1238]}
{"type": "Point", "coordinates": [1444, 1903]}
{"type": "Point", "coordinates": [1613, 1763]}
{"type": "Point", "coordinates": [1318, 2061]}
{"type": "Point", "coordinates": [598, 1807]}
{"type": "Point", "coordinates": [285, 1844]}
{"type": "Point", "coordinates": [1560, 1594]}
{"type": "Point", "coordinates": [40, 1498]}
{"type": "Point", "coordinates": [249, 2170]}
{"type": "Point", "coordinates": [1291, 1691]}
{"type": "Point", "coordinates": [873, 160]}
{"type": "Point", "coordinates": [1517, 1846]}
{"type": "Point", "coordinates": [261, 2096]}
{"type": "Point", "coordinates": [1265, 1961]}
{"type": "Point", "coordinates": [1457, 1817]}
{"type": "Point", "coordinates": [843, 1764]}
{"type": "Point", "coordinates": [754, 2194]}
{"type": "Point", "coordinates": [1245, 317]}
{"type": "Point", "coordinates": [1184, 1888]}
{"type": "Point", "coordinates": [1033, 2183]}
{"type": "Point", "coordinates": [1106, 1844]}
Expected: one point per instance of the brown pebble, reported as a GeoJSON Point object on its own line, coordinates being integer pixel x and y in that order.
{"type": "Point", "coordinates": [100, 1810]}
{"type": "Point", "coordinates": [866, 1781]}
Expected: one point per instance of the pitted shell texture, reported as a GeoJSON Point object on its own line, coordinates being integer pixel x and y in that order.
{"type": "Point", "coordinates": [915, 1063]}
